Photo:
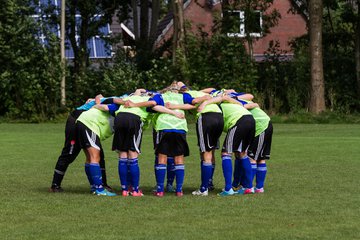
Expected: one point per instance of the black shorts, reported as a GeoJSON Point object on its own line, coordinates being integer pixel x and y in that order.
{"type": "Point", "coordinates": [172, 144]}
{"type": "Point", "coordinates": [261, 145]}
{"type": "Point", "coordinates": [209, 127]}
{"type": "Point", "coordinates": [128, 132]}
{"type": "Point", "coordinates": [86, 137]}
{"type": "Point", "coordinates": [239, 137]}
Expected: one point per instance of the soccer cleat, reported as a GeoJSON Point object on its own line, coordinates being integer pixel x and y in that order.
{"type": "Point", "coordinates": [199, 193]}
{"type": "Point", "coordinates": [211, 187]}
{"type": "Point", "coordinates": [104, 193]}
{"type": "Point", "coordinates": [125, 193]}
{"type": "Point", "coordinates": [237, 188]}
{"type": "Point", "coordinates": [179, 194]}
{"type": "Point", "coordinates": [244, 191]}
{"type": "Point", "coordinates": [259, 190]}
{"type": "Point", "coordinates": [55, 189]}
{"type": "Point", "coordinates": [137, 194]}
{"type": "Point", "coordinates": [170, 188]}
{"type": "Point", "coordinates": [158, 194]}
{"type": "Point", "coordinates": [107, 187]}
{"type": "Point", "coordinates": [226, 193]}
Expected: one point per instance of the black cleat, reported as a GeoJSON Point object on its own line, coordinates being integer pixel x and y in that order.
{"type": "Point", "coordinates": [55, 189]}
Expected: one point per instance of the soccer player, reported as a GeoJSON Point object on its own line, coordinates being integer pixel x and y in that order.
{"type": "Point", "coordinates": [71, 147]}
{"type": "Point", "coordinates": [128, 125]}
{"type": "Point", "coordinates": [129, 122]}
{"type": "Point", "coordinates": [259, 150]}
{"type": "Point", "coordinates": [209, 126]}
{"type": "Point", "coordinates": [171, 138]}
{"type": "Point", "coordinates": [239, 126]}
{"type": "Point", "coordinates": [92, 127]}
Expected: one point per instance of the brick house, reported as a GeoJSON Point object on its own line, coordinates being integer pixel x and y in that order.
{"type": "Point", "coordinates": [290, 25]}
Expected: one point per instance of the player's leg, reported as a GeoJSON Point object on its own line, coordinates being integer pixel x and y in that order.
{"type": "Point", "coordinates": [160, 172]}
{"type": "Point", "coordinates": [68, 154]}
{"type": "Point", "coordinates": [180, 174]}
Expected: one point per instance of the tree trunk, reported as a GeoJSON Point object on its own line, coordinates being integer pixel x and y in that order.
{"type": "Point", "coordinates": [135, 18]}
{"type": "Point", "coordinates": [317, 92]}
{"type": "Point", "coordinates": [357, 49]}
{"type": "Point", "coordinates": [179, 32]}
{"type": "Point", "coordinates": [154, 22]}
{"type": "Point", "coordinates": [142, 51]}
{"type": "Point", "coordinates": [144, 20]}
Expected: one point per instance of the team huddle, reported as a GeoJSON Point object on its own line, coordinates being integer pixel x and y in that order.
{"type": "Point", "coordinates": [248, 139]}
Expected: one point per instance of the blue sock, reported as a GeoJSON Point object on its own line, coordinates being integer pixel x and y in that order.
{"type": "Point", "coordinates": [212, 175]}
{"type": "Point", "coordinates": [237, 172]}
{"type": "Point", "coordinates": [253, 171]}
{"type": "Point", "coordinates": [128, 177]}
{"type": "Point", "coordinates": [247, 171]}
{"type": "Point", "coordinates": [180, 174]}
{"type": "Point", "coordinates": [96, 177]}
{"type": "Point", "coordinates": [260, 175]}
{"type": "Point", "coordinates": [160, 171]}
{"type": "Point", "coordinates": [87, 171]}
{"type": "Point", "coordinates": [206, 169]}
{"type": "Point", "coordinates": [227, 170]}
{"type": "Point", "coordinates": [156, 162]}
{"type": "Point", "coordinates": [170, 171]}
{"type": "Point", "coordinates": [135, 173]}
{"type": "Point", "coordinates": [123, 173]}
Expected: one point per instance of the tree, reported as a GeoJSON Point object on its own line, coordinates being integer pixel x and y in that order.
{"type": "Point", "coordinates": [317, 91]}
{"type": "Point", "coordinates": [145, 27]}
{"type": "Point", "coordinates": [93, 16]}
{"type": "Point", "coordinates": [29, 73]}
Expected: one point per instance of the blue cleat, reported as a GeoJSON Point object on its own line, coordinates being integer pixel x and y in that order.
{"type": "Point", "coordinates": [226, 193]}
{"type": "Point", "coordinates": [104, 193]}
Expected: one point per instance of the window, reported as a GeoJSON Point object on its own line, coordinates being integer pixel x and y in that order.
{"type": "Point", "coordinates": [97, 46]}
{"type": "Point", "coordinates": [238, 25]}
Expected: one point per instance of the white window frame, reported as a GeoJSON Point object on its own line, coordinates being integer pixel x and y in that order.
{"type": "Point", "coordinates": [242, 32]}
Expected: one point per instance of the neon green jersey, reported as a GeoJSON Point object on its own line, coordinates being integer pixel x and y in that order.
{"type": "Point", "coordinates": [100, 122]}
{"type": "Point", "coordinates": [208, 108]}
{"type": "Point", "coordinates": [232, 113]}
{"type": "Point", "coordinates": [168, 121]}
{"type": "Point", "coordinates": [261, 119]}
{"type": "Point", "coordinates": [141, 112]}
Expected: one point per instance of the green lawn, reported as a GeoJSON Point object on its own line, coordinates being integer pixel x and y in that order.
{"type": "Point", "coordinates": [312, 191]}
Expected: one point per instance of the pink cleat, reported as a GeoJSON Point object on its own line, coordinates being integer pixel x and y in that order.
{"type": "Point", "coordinates": [125, 193]}
{"type": "Point", "coordinates": [137, 194]}
{"type": "Point", "coordinates": [158, 194]}
{"type": "Point", "coordinates": [179, 194]}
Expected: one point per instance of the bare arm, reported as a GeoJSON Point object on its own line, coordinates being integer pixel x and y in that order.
{"type": "Point", "coordinates": [102, 107]}
{"type": "Point", "coordinates": [246, 96]}
{"type": "Point", "coordinates": [228, 99]}
{"type": "Point", "coordinates": [210, 101]}
{"type": "Point", "coordinates": [180, 106]}
{"type": "Point", "coordinates": [139, 91]}
{"type": "Point", "coordinates": [163, 109]}
{"type": "Point", "coordinates": [200, 99]}
{"type": "Point", "coordinates": [207, 90]}
{"type": "Point", "coordinates": [98, 98]}
{"type": "Point", "coordinates": [118, 101]}
{"type": "Point", "coordinates": [251, 105]}
{"type": "Point", "coordinates": [129, 103]}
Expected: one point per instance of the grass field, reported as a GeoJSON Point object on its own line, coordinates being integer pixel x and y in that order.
{"type": "Point", "coordinates": [312, 191]}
